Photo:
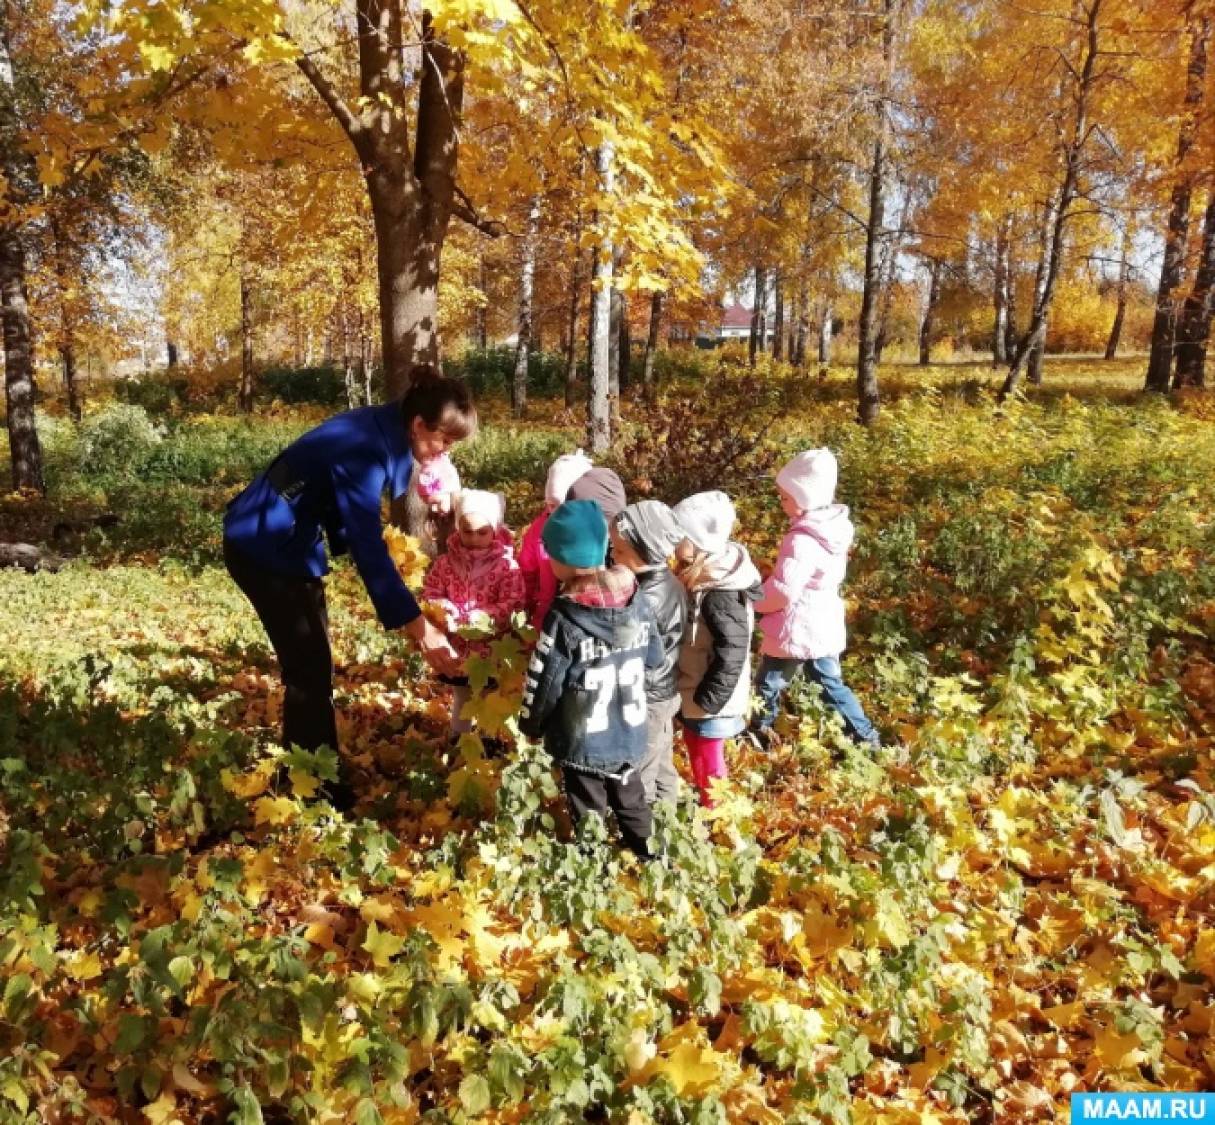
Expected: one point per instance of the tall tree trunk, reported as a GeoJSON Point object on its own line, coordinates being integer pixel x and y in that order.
{"type": "Point", "coordinates": [481, 327]}
{"type": "Point", "coordinates": [876, 236]}
{"type": "Point", "coordinates": [571, 354]}
{"type": "Point", "coordinates": [412, 192]}
{"type": "Point", "coordinates": [618, 346]}
{"type": "Point", "coordinates": [171, 350]}
{"type": "Point", "coordinates": [245, 397]}
{"type": "Point", "coordinates": [651, 343]}
{"type": "Point", "coordinates": [890, 257]}
{"type": "Point", "coordinates": [930, 312]}
{"type": "Point", "coordinates": [1011, 334]}
{"type": "Point", "coordinates": [24, 448]}
{"type": "Point", "coordinates": [527, 280]}
{"type": "Point", "coordinates": [1037, 354]}
{"type": "Point", "coordinates": [1194, 324]}
{"type": "Point", "coordinates": [600, 405]}
{"type": "Point", "coordinates": [1164, 323]}
{"type": "Point", "coordinates": [1124, 276]}
{"type": "Point", "coordinates": [67, 326]}
{"type": "Point", "coordinates": [802, 328]}
{"type": "Point", "coordinates": [366, 354]}
{"type": "Point", "coordinates": [826, 330]}
{"type": "Point", "coordinates": [778, 319]}
{"type": "Point", "coordinates": [67, 356]}
{"type": "Point", "coordinates": [624, 342]}
{"type": "Point", "coordinates": [1035, 336]}
{"type": "Point", "coordinates": [759, 316]}
{"type": "Point", "coordinates": [1038, 351]}
{"type": "Point", "coordinates": [1000, 295]}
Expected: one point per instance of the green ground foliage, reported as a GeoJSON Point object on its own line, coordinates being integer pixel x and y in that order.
{"type": "Point", "coordinates": [1014, 901]}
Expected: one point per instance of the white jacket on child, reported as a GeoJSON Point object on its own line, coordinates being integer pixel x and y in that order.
{"type": "Point", "coordinates": [803, 613]}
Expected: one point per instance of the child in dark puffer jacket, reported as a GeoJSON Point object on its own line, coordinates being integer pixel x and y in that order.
{"type": "Point", "coordinates": [715, 664]}
{"type": "Point", "coordinates": [585, 690]}
{"type": "Point", "coordinates": [644, 535]}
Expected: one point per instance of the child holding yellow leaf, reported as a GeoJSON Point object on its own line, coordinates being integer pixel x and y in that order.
{"type": "Point", "coordinates": [476, 583]}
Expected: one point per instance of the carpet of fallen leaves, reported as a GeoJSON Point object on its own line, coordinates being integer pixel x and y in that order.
{"type": "Point", "coordinates": [1012, 903]}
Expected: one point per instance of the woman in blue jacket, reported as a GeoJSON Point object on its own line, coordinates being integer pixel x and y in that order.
{"type": "Point", "coordinates": [328, 485]}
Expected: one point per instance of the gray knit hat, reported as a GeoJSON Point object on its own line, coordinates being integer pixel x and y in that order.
{"type": "Point", "coordinates": [651, 528]}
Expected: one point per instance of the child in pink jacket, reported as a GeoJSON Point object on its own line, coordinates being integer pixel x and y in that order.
{"type": "Point", "coordinates": [803, 613]}
{"type": "Point", "coordinates": [533, 558]}
{"type": "Point", "coordinates": [477, 581]}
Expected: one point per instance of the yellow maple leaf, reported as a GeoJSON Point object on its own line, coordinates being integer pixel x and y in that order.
{"type": "Point", "coordinates": [251, 784]}
{"type": "Point", "coordinates": [1115, 1051]}
{"type": "Point", "coordinates": [1064, 1016]}
{"type": "Point", "coordinates": [274, 810]}
{"type": "Point", "coordinates": [443, 920]}
{"type": "Point", "coordinates": [382, 945]}
{"type": "Point", "coordinates": [303, 783]}
{"type": "Point", "coordinates": [691, 1068]}
{"type": "Point", "coordinates": [191, 904]}
{"type": "Point", "coordinates": [83, 966]}
{"type": "Point", "coordinates": [319, 934]}
{"type": "Point", "coordinates": [407, 555]}
{"type": "Point", "coordinates": [379, 908]}
{"type": "Point", "coordinates": [163, 1111]}
{"type": "Point", "coordinates": [1204, 954]}
{"type": "Point", "coordinates": [258, 874]}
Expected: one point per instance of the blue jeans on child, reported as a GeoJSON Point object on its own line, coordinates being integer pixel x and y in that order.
{"type": "Point", "coordinates": [776, 674]}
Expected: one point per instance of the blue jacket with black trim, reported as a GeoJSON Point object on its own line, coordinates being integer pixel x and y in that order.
{"type": "Point", "coordinates": [331, 481]}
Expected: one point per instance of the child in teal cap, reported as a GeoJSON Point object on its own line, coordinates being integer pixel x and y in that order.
{"type": "Point", "coordinates": [585, 692]}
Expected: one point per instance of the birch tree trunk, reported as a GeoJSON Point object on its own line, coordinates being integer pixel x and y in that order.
{"type": "Point", "coordinates": [928, 324]}
{"type": "Point", "coordinates": [867, 393]}
{"type": "Point", "coordinates": [24, 448]}
{"type": "Point", "coordinates": [1000, 296]}
{"type": "Point", "coordinates": [1035, 336]}
{"type": "Point", "coordinates": [527, 280]}
{"type": "Point", "coordinates": [599, 420]}
{"type": "Point", "coordinates": [1124, 276]}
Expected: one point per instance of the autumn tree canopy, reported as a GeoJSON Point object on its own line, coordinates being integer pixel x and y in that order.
{"type": "Point", "coordinates": [391, 183]}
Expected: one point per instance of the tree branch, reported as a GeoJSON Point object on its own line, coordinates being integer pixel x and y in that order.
{"type": "Point", "coordinates": [328, 93]}
{"type": "Point", "coordinates": [465, 211]}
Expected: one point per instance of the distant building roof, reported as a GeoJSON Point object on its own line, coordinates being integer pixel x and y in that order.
{"type": "Point", "coordinates": [736, 316]}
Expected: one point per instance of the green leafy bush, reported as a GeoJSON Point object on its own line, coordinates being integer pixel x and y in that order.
{"type": "Point", "coordinates": [491, 370]}
{"type": "Point", "coordinates": [117, 441]}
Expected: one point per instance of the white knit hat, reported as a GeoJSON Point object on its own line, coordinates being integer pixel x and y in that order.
{"type": "Point", "coordinates": [810, 478]}
{"type": "Point", "coordinates": [563, 473]}
{"type": "Point", "coordinates": [708, 518]}
{"type": "Point", "coordinates": [477, 504]}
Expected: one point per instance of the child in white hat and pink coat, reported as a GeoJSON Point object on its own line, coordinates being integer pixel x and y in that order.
{"type": "Point", "coordinates": [802, 611]}
{"type": "Point", "coordinates": [477, 581]}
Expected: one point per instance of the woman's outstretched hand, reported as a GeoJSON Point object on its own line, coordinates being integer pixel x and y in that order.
{"type": "Point", "coordinates": [434, 646]}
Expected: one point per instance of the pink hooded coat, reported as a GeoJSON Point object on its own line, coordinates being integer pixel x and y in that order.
{"type": "Point", "coordinates": [538, 577]}
{"type": "Point", "coordinates": [803, 613]}
{"type": "Point", "coordinates": [464, 582]}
